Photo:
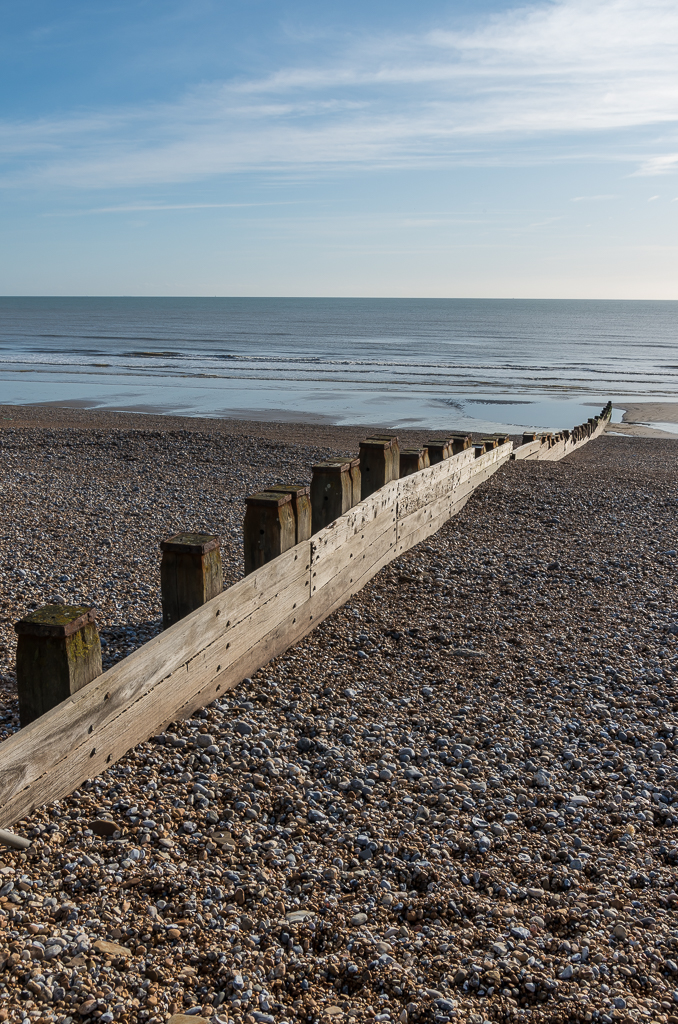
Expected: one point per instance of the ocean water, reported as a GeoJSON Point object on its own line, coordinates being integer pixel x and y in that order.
{"type": "Point", "coordinates": [435, 363]}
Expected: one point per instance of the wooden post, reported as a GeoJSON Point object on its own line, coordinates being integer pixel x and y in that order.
{"type": "Point", "coordinates": [412, 460]}
{"type": "Point", "coordinates": [395, 452]}
{"type": "Point", "coordinates": [439, 449]}
{"type": "Point", "coordinates": [490, 443]}
{"type": "Point", "coordinates": [58, 652]}
{"type": "Point", "coordinates": [460, 442]}
{"type": "Point", "coordinates": [301, 506]}
{"type": "Point", "coordinates": [190, 574]}
{"type": "Point", "coordinates": [375, 465]}
{"type": "Point", "coordinates": [502, 438]}
{"type": "Point", "coordinates": [269, 528]}
{"type": "Point", "coordinates": [331, 491]}
{"type": "Point", "coordinates": [528, 438]}
{"type": "Point", "coordinates": [356, 481]}
{"type": "Point", "coordinates": [479, 449]}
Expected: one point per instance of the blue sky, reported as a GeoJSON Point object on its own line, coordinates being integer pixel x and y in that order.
{"type": "Point", "coordinates": [296, 148]}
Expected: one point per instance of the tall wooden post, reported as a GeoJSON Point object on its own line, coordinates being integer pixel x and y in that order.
{"type": "Point", "coordinates": [376, 465]}
{"type": "Point", "coordinates": [190, 574]}
{"type": "Point", "coordinates": [269, 528]}
{"type": "Point", "coordinates": [438, 449]}
{"type": "Point", "coordinates": [301, 506]}
{"type": "Point", "coordinates": [356, 481]}
{"type": "Point", "coordinates": [395, 452]}
{"type": "Point", "coordinates": [459, 442]}
{"type": "Point", "coordinates": [412, 460]}
{"type": "Point", "coordinates": [58, 652]}
{"type": "Point", "coordinates": [331, 491]}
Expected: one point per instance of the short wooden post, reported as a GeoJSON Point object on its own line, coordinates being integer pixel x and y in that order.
{"type": "Point", "coordinates": [269, 528]}
{"type": "Point", "coordinates": [501, 438]}
{"type": "Point", "coordinates": [301, 506]}
{"type": "Point", "coordinates": [460, 442]}
{"type": "Point", "coordinates": [439, 449]}
{"type": "Point", "coordinates": [412, 460]}
{"type": "Point", "coordinates": [528, 438]}
{"type": "Point", "coordinates": [376, 465]}
{"type": "Point", "coordinates": [395, 452]}
{"type": "Point", "coordinates": [331, 491]}
{"type": "Point", "coordinates": [58, 652]}
{"type": "Point", "coordinates": [490, 443]}
{"type": "Point", "coordinates": [479, 449]}
{"type": "Point", "coordinates": [356, 481]}
{"type": "Point", "coordinates": [190, 574]}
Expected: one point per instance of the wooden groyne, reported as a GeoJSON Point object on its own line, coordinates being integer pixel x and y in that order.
{"type": "Point", "coordinates": [226, 637]}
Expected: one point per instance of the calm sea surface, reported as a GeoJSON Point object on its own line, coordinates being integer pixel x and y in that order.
{"type": "Point", "coordinates": [439, 363]}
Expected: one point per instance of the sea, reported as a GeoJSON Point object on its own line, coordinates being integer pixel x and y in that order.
{"type": "Point", "coordinates": [443, 364]}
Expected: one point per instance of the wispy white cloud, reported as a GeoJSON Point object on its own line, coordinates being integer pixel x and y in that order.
{"type": "Point", "coordinates": [664, 164]}
{"type": "Point", "coordinates": [540, 72]}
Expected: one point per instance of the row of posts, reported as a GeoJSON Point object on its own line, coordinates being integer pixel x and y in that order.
{"type": "Point", "coordinates": [58, 648]}
{"type": "Point", "coordinates": [580, 433]}
{"type": "Point", "coordinates": [287, 514]}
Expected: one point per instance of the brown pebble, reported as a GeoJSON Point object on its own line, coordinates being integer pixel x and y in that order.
{"type": "Point", "coordinates": [103, 827]}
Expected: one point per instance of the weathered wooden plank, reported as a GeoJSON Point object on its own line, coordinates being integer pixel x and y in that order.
{"type": "Point", "coordinates": [328, 561]}
{"type": "Point", "coordinates": [444, 507]}
{"type": "Point", "coordinates": [348, 581]}
{"type": "Point", "coordinates": [530, 450]}
{"type": "Point", "coordinates": [95, 726]}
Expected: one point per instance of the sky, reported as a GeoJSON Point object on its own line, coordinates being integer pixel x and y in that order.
{"type": "Point", "coordinates": [374, 148]}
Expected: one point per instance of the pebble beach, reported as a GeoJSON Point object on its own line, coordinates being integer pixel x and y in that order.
{"type": "Point", "coordinates": [455, 800]}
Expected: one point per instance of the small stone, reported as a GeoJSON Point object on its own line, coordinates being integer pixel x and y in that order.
{"type": "Point", "coordinates": [619, 931]}
{"type": "Point", "coordinates": [204, 740]}
{"type": "Point", "coordinates": [566, 973]}
{"type": "Point", "coordinates": [359, 919]}
{"type": "Point", "coordinates": [103, 827]}
{"type": "Point", "coordinates": [112, 948]}
{"type": "Point", "coordinates": [243, 729]}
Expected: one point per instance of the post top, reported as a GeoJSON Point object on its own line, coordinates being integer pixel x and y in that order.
{"type": "Point", "coordinates": [274, 499]}
{"type": "Point", "coordinates": [383, 437]}
{"type": "Point", "coordinates": [56, 620]}
{"type": "Point", "coordinates": [334, 465]}
{"type": "Point", "coordinates": [297, 490]}
{"type": "Point", "coordinates": [190, 543]}
{"type": "Point", "coordinates": [460, 435]}
{"type": "Point", "coordinates": [375, 442]}
{"type": "Point", "coordinates": [435, 442]}
{"type": "Point", "coordinates": [413, 450]}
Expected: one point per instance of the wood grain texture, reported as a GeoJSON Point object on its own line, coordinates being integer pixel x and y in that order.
{"type": "Point", "coordinates": [233, 635]}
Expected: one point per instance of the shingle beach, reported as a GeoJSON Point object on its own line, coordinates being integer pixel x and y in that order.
{"type": "Point", "coordinates": [456, 800]}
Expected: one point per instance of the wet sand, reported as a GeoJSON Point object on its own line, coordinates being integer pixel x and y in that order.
{"type": "Point", "coordinates": [638, 415]}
